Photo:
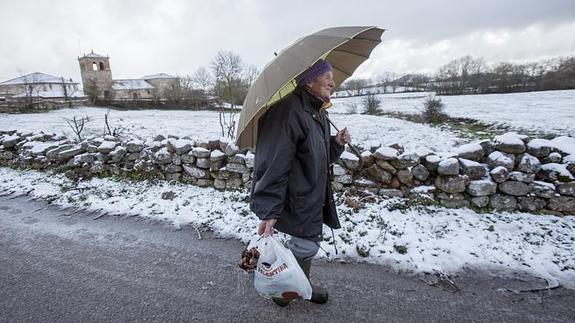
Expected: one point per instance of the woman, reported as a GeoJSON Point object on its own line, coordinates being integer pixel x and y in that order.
{"type": "Point", "coordinates": [291, 189]}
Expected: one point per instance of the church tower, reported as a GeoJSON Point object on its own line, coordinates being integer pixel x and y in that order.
{"type": "Point", "coordinates": [96, 75]}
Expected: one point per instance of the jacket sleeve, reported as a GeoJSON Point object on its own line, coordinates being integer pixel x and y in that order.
{"type": "Point", "coordinates": [278, 134]}
{"type": "Point", "coordinates": [335, 150]}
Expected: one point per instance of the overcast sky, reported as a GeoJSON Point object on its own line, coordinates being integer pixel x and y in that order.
{"type": "Point", "coordinates": [151, 36]}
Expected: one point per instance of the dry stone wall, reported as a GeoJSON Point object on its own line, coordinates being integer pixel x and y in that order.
{"type": "Point", "coordinates": [510, 172]}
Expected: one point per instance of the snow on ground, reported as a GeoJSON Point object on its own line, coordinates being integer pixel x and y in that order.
{"type": "Point", "coordinates": [372, 131]}
{"type": "Point", "coordinates": [418, 239]}
{"type": "Point", "coordinates": [142, 123]}
{"type": "Point", "coordinates": [548, 111]}
{"type": "Point", "coordinates": [204, 125]}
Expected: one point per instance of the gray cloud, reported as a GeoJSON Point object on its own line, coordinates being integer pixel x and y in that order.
{"type": "Point", "coordinates": [145, 36]}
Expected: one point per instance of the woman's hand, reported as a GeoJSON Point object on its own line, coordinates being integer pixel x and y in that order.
{"type": "Point", "coordinates": [267, 227]}
{"type": "Point", "coordinates": [343, 137]}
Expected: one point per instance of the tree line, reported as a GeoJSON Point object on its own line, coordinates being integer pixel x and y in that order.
{"type": "Point", "coordinates": [227, 78]}
{"type": "Point", "coordinates": [468, 75]}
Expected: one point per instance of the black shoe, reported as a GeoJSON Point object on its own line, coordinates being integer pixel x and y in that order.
{"type": "Point", "coordinates": [282, 302]}
{"type": "Point", "coordinates": [318, 295]}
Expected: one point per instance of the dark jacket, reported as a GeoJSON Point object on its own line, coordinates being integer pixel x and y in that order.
{"type": "Point", "coordinates": [292, 177]}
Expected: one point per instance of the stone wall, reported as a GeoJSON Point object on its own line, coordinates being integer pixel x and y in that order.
{"type": "Point", "coordinates": [511, 172]}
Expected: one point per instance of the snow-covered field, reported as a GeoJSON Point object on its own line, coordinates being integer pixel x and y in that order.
{"type": "Point", "coordinates": [549, 112]}
{"type": "Point", "coordinates": [419, 239]}
{"type": "Point", "coordinates": [205, 125]}
{"type": "Point", "coordinates": [552, 112]}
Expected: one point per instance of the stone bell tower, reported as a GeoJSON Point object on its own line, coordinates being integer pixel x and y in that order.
{"type": "Point", "coordinates": [96, 75]}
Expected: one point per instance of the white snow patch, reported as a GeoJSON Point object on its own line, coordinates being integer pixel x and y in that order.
{"type": "Point", "coordinates": [468, 148]}
{"type": "Point", "coordinates": [109, 145]}
{"type": "Point", "coordinates": [509, 138]}
{"type": "Point", "coordinates": [433, 159]}
{"type": "Point", "coordinates": [558, 168]}
{"type": "Point", "coordinates": [182, 143]}
{"type": "Point", "coordinates": [346, 155]}
{"type": "Point", "coordinates": [539, 143]}
{"type": "Point", "coordinates": [217, 154]}
{"type": "Point", "coordinates": [449, 162]}
{"type": "Point", "coordinates": [387, 152]}
{"type": "Point", "coordinates": [564, 144]}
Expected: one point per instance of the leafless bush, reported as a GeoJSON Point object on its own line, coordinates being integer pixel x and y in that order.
{"type": "Point", "coordinates": [77, 125]}
{"type": "Point", "coordinates": [227, 121]}
{"type": "Point", "coordinates": [115, 131]}
{"type": "Point", "coordinates": [371, 105]}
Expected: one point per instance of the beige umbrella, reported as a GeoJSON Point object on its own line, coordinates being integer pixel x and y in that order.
{"type": "Point", "coordinates": [344, 47]}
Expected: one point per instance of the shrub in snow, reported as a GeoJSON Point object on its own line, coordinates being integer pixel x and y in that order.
{"type": "Point", "coordinates": [371, 105]}
{"type": "Point", "coordinates": [433, 111]}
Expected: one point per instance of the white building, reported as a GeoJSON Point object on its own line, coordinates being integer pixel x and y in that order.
{"type": "Point", "coordinates": [40, 85]}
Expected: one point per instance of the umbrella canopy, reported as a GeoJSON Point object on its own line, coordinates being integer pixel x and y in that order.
{"type": "Point", "coordinates": [345, 48]}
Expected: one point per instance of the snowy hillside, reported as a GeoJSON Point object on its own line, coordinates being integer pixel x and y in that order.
{"type": "Point", "coordinates": [550, 111]}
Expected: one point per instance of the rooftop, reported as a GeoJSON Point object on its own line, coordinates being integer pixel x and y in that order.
{"type": "Point", "coordinates": [38, 78]}
{"type": "Point", "coordinates": [131, 84]}
{"type": "Point", "coordinates": [93, 55]}
{"type": "Point", "coordinates": [159, 76]}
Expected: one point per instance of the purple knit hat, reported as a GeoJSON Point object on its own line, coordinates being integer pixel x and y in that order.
{"type": "Point", "coordinates": [317, 69]}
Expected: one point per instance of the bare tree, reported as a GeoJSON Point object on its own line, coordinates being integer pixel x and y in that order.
{"type": "Point", "coordinates": [202, 79]}
{"type": "Point", "coordinates": [177, 90]}
{"type": "Point", "coordinates": [251, 72]}
{"type": "Point", "coordinates": [227, 68]}
{"type": "Point", "coordinates": [355, 87]}
{"type": "Point", "coordinates": [28, 89]}
{"type": "Point", "coordinates": [65, 93]}
{"type": "Point", "coordinates": [385, 80]}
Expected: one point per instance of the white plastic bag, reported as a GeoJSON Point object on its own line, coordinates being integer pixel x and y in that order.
{"type": "Point", "coordinates": [277, 273]}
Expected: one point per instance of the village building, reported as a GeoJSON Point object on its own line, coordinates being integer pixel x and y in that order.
{"type": "Point", "coordinates": [40, 85]}
{"type": "Point", "coordinates": [99, 83]}
{"type": "Point", "coordinates": [39, 91]}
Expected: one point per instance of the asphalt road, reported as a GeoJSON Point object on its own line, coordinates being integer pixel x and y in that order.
{"type": "Point", "coordinates": [56, 267]}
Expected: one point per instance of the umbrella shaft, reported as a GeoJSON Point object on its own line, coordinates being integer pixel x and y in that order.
{"type": "Point", "coordinates": [355, 151]}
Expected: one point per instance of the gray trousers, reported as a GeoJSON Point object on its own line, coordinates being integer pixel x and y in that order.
{"type": "Point", "coordinates": [302, 248]}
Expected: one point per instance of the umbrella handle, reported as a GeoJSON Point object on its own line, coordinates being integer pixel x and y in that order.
{"type": "Point", "coordinates": [353, 148]}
